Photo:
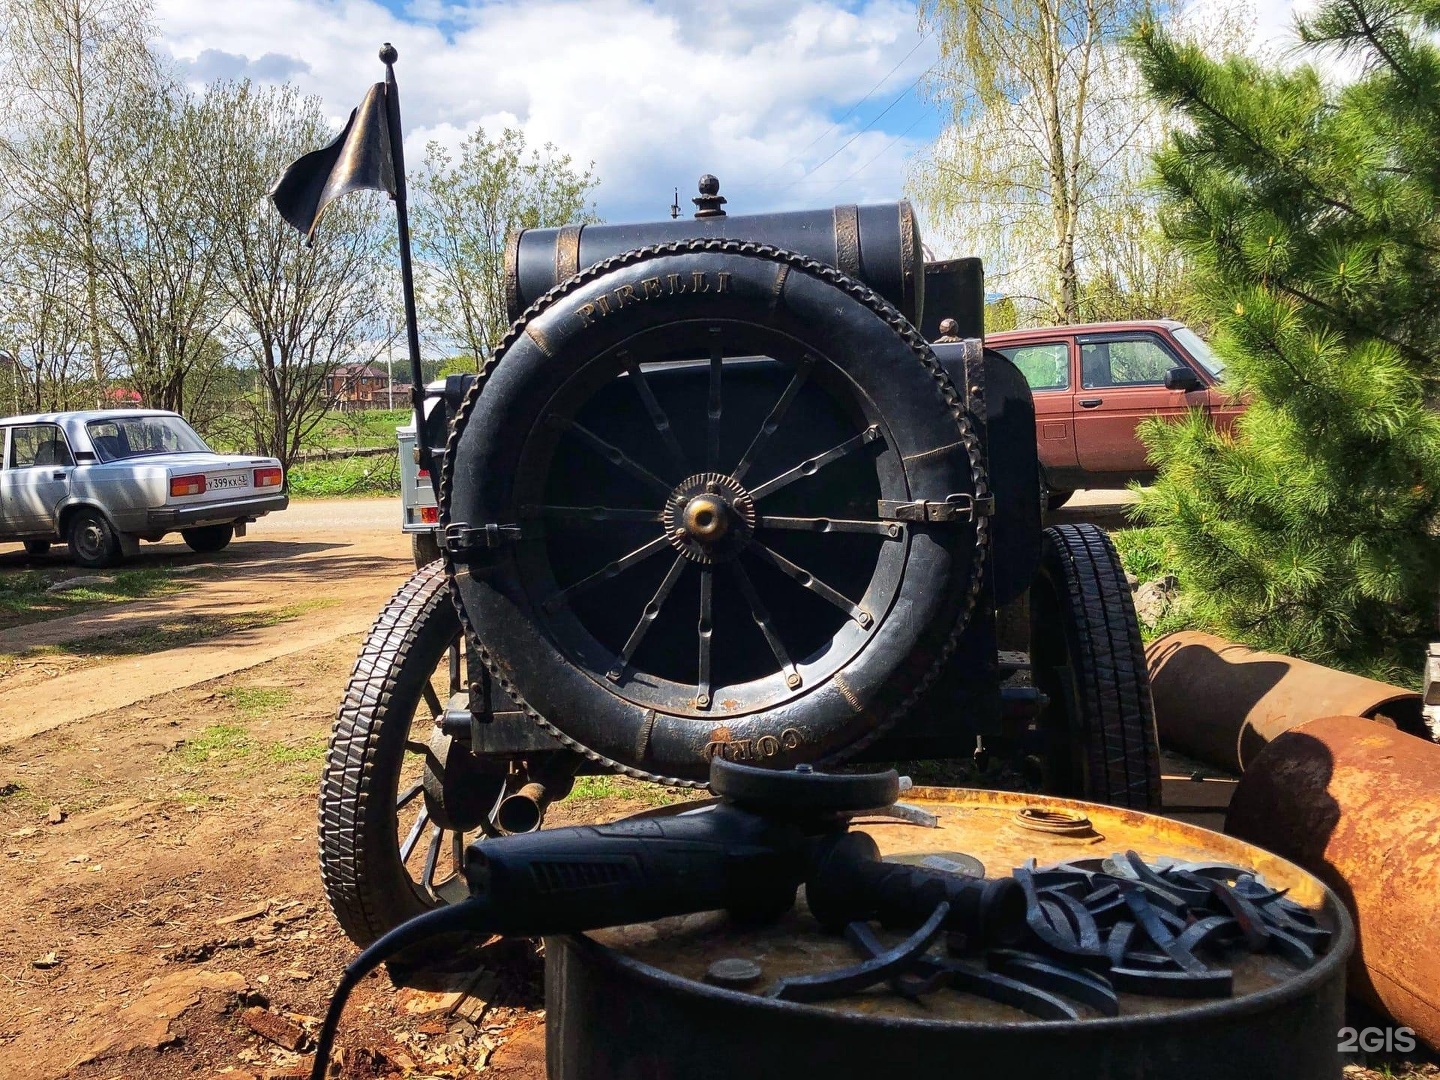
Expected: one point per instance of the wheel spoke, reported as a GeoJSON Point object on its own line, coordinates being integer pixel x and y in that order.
{"type": "Point", "coordinates": [802, 372]}
{"type": "Point", "coordinates": [408, 847]}
{"type": "Point", "coordinates": [706, 627]}
{"type": "Point", "coordinates": [814, 584]}
{"type": "Point", "coordinates": [433, 700]}
{"type": "Point", "coordinates": [432, 856]}
{"type": "Point", "coordinates": [762, 620]}
{"type": "Point", "coordinates": [415, 746]}
{"type": "Point", "coordinates": [592, 514]}
{"type": "Point", "coordinates": [647, 619]}
{"type": "Point", "coordinates": [713, 406]}
{"type": "Point", "coordinates": [811, 466]}
{"type": "Point", "coordinates": [889, 529]}
{"type": "Point", "coordinates": [455, 682]}
{"type": "Point", "coordinates": [409, 797]}
{"type": "Point", "coordinates": [457, 851]}
{"type": "Point", "coordinates": [657, 414]}
{"type": "Point", "coordinates": [615, 455]}
{"type": "Point", "coordinates": [608, 571]}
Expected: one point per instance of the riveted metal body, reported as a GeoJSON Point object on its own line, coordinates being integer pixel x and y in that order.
{"type": "Point", "coordinates": [635, 1002]}
{"type": "Point", "coordinates": [1222, 702]}
{"type": "Point", "coordinates": [1357, 803]}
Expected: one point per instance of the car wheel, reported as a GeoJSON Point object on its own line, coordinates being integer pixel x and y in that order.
{"type": "Point", "coordinates": [36, 547]}
{"type": "Point", "coordinates": [208, 538]}
{"type": "Point", "coordinates": [93, 542]}
{"type": "Point", "coordinates": [389, 849]}
{"type": "Point", "coordinates": [1087, 658]}
{"type": "Point", "coordinates": [426, 548]}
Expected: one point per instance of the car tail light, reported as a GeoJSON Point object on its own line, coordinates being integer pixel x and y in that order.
{"type": "Point", "coordinates": [430, 515]}
{"type": "Point", "coordinates": [188, 485]}
{"type": "Point", "coordinates": [265, 478]}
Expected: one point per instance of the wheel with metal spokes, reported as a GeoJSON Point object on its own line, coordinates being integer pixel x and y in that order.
{"type": "Point", "coordinates": [392, 829]}
{"type": "Point", "coordinates": [714, 498]}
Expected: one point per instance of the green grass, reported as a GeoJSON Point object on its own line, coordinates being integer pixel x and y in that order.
{"type": "Point", "coordinates": [256, 700]}
{"type": "Point", "coordinates": [339, 477]}
{"type": "Point", "coordinates": [1142, 552]}
{"type": "Point", "coordinates": [367, 427]}
{"type": "Point", "coordinates": [302, 753]}
{"type": "Point", "coordinates": [604, 786]}
{"type": "Point", "coordinates": [217, 743]}
{"type": "Point", "coordinates": [23, 595]}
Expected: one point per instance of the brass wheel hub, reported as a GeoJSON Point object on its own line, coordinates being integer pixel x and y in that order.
{"type": "Point", "coordinates": [709, 517]}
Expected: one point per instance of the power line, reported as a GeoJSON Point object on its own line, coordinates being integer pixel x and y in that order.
{"type": "Point", "coordinates": [873, 121]}
{"type": "Point", "coordinates": [849, 112]}
{"type": "Point", "coordinates": [888, 146]}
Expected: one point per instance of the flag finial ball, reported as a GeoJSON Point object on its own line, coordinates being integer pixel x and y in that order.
{"type": "Point", "coordinates": [388, 55]}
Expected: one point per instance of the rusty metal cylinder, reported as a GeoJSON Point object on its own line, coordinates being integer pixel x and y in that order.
{"type": "Point", "coordinates": [1223, 703]}
{"type": "Point", "coordinates": [1358, 805]}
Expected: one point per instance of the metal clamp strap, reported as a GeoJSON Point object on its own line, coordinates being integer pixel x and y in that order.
{"type": "Point", "coordinates": [461, 539]}
{"type": "Point", "coordinates": [953, 508]}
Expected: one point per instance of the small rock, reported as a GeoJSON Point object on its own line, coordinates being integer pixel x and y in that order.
{"type": "Point", "coordinates": [1132, 581]}
{"type": "Point", "coordinates": [56, 815]}
{"type": "Point", "coordinates": [297, 975]}
{"type": "Point", "coordinates": [83, 582]}
{"type": "Point", "coordinates": [49, 960]}
{"type": "Point", "coordinates": [1153, 600]}
{"type": "Point", "coordinates": [275, 1029]}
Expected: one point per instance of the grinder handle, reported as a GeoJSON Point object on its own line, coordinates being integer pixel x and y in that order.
{"type": "Point", "coordinates": [558, 881]}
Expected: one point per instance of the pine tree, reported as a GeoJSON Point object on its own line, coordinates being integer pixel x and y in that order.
{"type": "Point", "coordinates": [1310, 207]}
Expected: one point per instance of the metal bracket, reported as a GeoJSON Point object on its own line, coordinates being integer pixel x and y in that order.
{"type": "Point", "coordinates": [461, 539]}
{"type": "Point", "coordinates": [953, 508]}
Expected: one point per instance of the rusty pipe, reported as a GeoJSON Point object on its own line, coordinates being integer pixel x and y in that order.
{"type": "Point", "coordinates": [1222, 703]}
{"type": "Point", "coordinates": [1358, 805]}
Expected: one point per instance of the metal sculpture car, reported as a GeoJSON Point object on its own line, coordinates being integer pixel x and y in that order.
{"type": "Point", "coordinates": [102, 481]}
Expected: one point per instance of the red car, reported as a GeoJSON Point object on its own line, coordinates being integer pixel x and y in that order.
{"type": "Point", "coordinates": [1093, 385]}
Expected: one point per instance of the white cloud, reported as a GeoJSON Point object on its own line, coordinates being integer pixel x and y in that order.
{"type": "Point", "coordinates": [653, 93]}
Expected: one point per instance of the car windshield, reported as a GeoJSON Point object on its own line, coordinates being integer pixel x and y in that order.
{"type": "Point", "coordinates": [142, 436]}
{"type": "Point", "coordinates": [1197, 347]}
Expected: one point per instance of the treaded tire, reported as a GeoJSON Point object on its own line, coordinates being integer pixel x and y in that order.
{"type": "Point", "coordinates": [93, 541]}
{"type": "Point", "coordinates": [207, 539]}
{"type": "Point", "coordinates": [368, 887]}
{"type": "Point", "coordinates": [1101, 723]}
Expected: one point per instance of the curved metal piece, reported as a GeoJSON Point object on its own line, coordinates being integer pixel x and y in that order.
{"type": "Point", "coordinates": [833, 984]}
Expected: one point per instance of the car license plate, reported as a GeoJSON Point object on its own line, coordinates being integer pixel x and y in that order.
{"type": "Point", "coordinates": [227, 480]}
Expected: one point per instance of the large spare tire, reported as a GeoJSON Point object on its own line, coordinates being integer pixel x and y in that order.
{"type": "Point", "coordinates": [714, 498]}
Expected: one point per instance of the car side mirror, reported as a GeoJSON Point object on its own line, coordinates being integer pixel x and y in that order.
{"type": "Point", "coordinates": [1182, 378]}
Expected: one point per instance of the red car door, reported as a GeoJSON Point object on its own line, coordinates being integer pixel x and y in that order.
{"type": "Point", "coordinates": [1122, 381]}
{"type": "Point", "coordinates": [1047, 367]}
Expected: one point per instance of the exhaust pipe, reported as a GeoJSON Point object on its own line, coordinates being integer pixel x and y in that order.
{"type": "Point", "coordinates": [524, 811]}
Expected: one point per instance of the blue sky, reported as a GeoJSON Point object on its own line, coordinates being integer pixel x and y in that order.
{"type": "Point", "coordinates": [798, 104]}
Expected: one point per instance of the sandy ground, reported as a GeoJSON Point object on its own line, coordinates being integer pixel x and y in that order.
{"type": "Point", "coordinates": [159, 890]}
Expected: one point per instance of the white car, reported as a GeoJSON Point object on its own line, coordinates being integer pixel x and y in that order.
{"type": "Point", "coordinates": [102, 481]}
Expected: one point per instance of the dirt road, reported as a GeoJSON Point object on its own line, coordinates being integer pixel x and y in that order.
{"type": "Point", "coordinates": [157, 804]}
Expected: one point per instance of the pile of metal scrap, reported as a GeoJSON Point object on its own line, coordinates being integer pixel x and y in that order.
{"type": "Point", "coordinates": [1098, 927]}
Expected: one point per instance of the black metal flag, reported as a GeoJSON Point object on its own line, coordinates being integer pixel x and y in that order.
{"type": "Point", "coordinates": [369, 153]}
{"type": "Point", "coordinates": [360, 157]}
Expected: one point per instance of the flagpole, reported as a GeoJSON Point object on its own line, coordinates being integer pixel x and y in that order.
{"type": "Point", "coordinates": [388, 56]}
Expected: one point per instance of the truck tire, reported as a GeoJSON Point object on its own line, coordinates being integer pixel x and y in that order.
{"type": "Point", "coordinates": [208, 539]}
{"type": "Point", "coordinates": [1099, 736]}
{"type": "Point", "coordinates": [93, 541]}
{"type": "Point", "coordinates": [385, 734]}
{"type": "Point", "coordinates": [425, 547]}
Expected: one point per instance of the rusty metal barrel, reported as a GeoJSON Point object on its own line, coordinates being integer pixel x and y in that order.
{"type": "Point", "coordinates": [695, 996]}
{"type": "Point", "coordinates": [1222, 702]}
{"type": "Point", "coordinates": [1359, 806]}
